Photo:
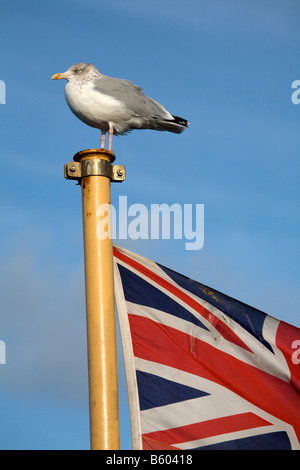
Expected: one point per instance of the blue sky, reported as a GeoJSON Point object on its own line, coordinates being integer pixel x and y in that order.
{"type": "Point", "coordinates": [225, 65]}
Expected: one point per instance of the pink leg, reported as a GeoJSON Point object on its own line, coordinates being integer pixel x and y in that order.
{"type": "Point", "coordinates": [110, 133]}
{"type": "Point", "coordinates": [103, 136]}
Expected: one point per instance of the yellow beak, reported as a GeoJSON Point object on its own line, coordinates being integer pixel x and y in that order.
{"type": "Point", "coordinates": [58, 76]}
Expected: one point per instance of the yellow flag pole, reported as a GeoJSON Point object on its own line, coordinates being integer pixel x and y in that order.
{"type": "Point", "coordinates": [94, 170]}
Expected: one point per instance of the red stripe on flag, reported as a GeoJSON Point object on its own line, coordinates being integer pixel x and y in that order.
{"type": "Point", "coordinates": [205, 429]}
{"type": "Point", "coordinates": [165, 345]}
{"type": "Point", "coordinates": [222, 328]}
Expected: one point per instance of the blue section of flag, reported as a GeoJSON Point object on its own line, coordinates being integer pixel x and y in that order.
{"type": "Point", "coordinates": [140, 292]}
{"type": "Point", "coordinates": [156, 391]}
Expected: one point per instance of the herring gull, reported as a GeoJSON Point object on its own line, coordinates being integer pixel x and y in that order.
{"type": "Point", "coordinates": [114, 105]}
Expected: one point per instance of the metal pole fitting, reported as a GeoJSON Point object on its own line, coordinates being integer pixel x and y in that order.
{"type": "Point", "coordinates": [94, 162]}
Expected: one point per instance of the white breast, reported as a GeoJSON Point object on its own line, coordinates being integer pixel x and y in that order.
{"type": "Point", "coordinates": [95, 108]}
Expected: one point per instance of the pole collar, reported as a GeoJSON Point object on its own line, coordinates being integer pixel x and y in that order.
{"type": "Point", "coordinates": [94, 162]}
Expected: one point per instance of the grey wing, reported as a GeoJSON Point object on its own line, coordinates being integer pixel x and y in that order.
{"type": "Point", "coordinates": [132, 96]}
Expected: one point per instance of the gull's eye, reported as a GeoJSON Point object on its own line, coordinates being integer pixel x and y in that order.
{"type": "Point", "coordinates": [75, 70]}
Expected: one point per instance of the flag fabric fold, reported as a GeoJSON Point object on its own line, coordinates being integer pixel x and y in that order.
{"type": "Point", "coordinates": [204, 371]}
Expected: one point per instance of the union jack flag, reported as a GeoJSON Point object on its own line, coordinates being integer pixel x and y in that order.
{"type": "Point", "coordinates": [204, 371]}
